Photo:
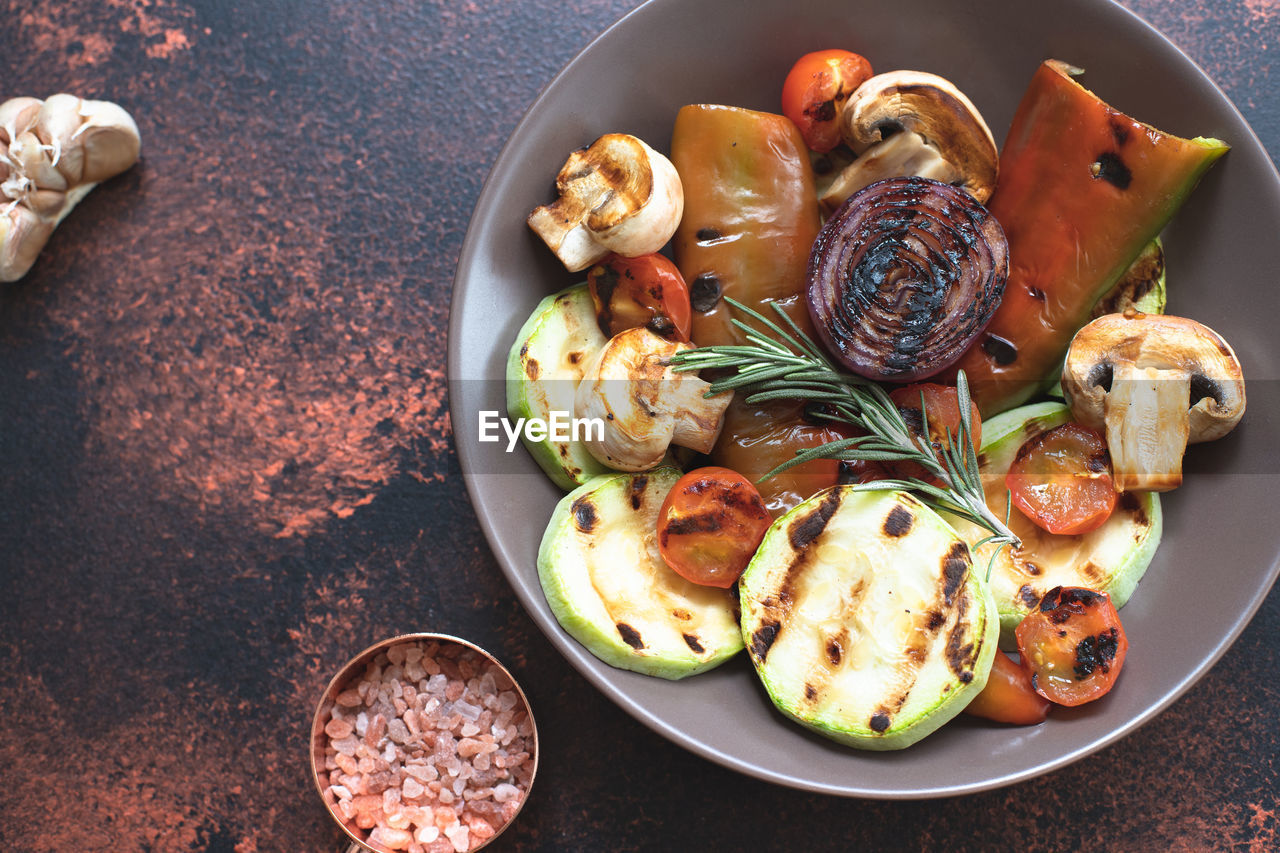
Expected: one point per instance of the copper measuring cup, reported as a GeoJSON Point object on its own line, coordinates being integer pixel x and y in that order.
{"type": "Point", "coordinates": [349, 674]}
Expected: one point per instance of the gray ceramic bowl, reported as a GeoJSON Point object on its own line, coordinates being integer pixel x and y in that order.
{"type": "Point", "coordinates": [1221, 544]}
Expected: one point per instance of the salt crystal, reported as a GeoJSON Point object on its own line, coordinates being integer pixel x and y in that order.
{"type": "Point", "coordinates": [461, 838]}
{"type": "Point", "coordinates": [413, 788]}
{"type": "Point", "coordinates": [392, 839]}
{"type": "Point", "coordinates": [362, 723]}
{"type": "Point", "coordinates": [505, 792]}
{"type": "Point", "coordinates": [340, 791]}
{"type": "Point", "coordinates": [338, 729]}
{"type": "Point", "coordinates": [466, 709]}
{"type": "Point", "coordinates": [507, 701]}
{"type": "Point", "coordinates": [397, 654]}
{"type": "Point", "coordinates": [414, 670]}
{"type": "Point", "coordinates": [398, 731]}
{"type": "Point", "coordinates": [428, 834]}
{"type": "Point", "coordinates": [482, 761]}
{"type": "Point", "coordinates": [398, 820]}
{"type": "Point", "coordinates": [346, 745]}
{"type": "Point", "coordinates": [469, 730]}
{"type": "Point", "coordinates": [389, 755]}
{"type": "Point", "coordinates": [348, 698]}
{"type": "Point", "coordinates": [437, 683]}
{"type": "Point", "coordinates": [446, 795]}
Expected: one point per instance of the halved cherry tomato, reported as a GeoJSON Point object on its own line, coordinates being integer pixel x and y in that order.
{"type": "Point", "coordinates": [815, 90]}
{"type": "Point", "coordinates": [756, 438]}
{"type": "Point", "coordinates": [1061, 480]}
{"type": "Point", "coordinates": [1072, 645]}
{"type": "Point", "coordinates": [710, 525]}
{"type": "Point", "coordinates": [644, 291]}
{"type": "Point", "coordinates": [942, 408]}
{"type": "Point", "coordinates": [1008, 697]}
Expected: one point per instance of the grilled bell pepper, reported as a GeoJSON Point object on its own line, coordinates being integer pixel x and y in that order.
{"type": "Point", "coordinates": [750, 215]}
{"type": "Point", "coordinates": [1082, 189]}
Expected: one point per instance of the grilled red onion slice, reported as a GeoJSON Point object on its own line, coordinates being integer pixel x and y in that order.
{"type": "Point", "coordinates": [904, 276]}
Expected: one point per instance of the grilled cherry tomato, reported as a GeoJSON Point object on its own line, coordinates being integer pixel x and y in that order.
{"type": "Point", "coordinates": [644, 291]}
{"type": "Point", "coordinates": [815, 90]}
{"type": "Point", "coordinates": [1008, 697]}
{"type": "Point", "coordinates": [710, 525]}
{"type": "Point", "coordinates": [1061, 480]}
{"type": "Point", "coordinates": [756, 438]}
{"type": "Point", "coordinates": [1072, 645]}
{"type": "Point", "coordinates": [942, 407]}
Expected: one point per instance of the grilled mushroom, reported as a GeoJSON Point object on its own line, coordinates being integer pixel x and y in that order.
{"type": "Point", "coordinates": [911, 123]}
{"type": "Point", "coordinates": [644, 405]}
{"type": "Point", "coordinates": [617, 195]}
{"type": "Point", "coordinates": [1154, 384]}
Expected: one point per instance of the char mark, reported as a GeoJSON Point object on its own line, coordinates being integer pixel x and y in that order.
{"type": "Point", "coordinates": [692, 642]}
{"type": "Point", "coordinates": [638, 485]}
{"type": "Point", "coordinates": [762, 639]}
{"type": "Point", "coordinates": [630, 636]}
{"type": "Point", "coordinates": [898, 522]}
{"type": "Point", "coordinates": [955, 566]}
{"type": "Point", "coordinates": [804, 530]}
{"type": "Point", "coordinates": [584, 514]}
{"type": "Point", "coordinates": [879, 722]}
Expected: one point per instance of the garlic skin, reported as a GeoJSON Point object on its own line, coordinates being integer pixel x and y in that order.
{"type": "Point", "coordinates": [52, 152]}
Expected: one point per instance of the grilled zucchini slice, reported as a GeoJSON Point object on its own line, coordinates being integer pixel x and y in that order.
{"type": "Point", "coordinates": [1111, 559]}
{"type": "Point", "coordinates": [611, 591]}
{"type": "Point", "coordinates": [865, 620]}
{"type": "Point", "coordinates": [544, 368]}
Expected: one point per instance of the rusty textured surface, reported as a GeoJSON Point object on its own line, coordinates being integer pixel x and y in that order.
{"type": "Point", "coordinates": [227, 460]}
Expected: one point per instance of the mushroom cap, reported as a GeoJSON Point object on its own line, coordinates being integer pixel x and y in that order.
{"type": "Point", "coordinates": [1115, 342]}
{"type": "Point", "coordinates": [618, 195]}
{"type": "Point", "coordinates": [645, 406]}
{"type": "Point", "coordinates": [932, 107]}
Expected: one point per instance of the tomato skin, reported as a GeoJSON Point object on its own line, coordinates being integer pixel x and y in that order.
{"type": "Point", "coordinates": [816, 88]}
{"type": "Point", "coordinates": [644, 291]}
{"type": "Point", "coordinates": [1061, 480]}
{"type": "Point", "coordinates": [1072, 645]}
{"type": "Point", "coordinates": [1008, 697]}
{"type": "Point", "coordinates": [710, 525]}
{"type": "Point", "coordinates": [942, 408]}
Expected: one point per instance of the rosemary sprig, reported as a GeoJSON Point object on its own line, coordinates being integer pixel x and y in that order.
{"type": "Point", "coordinates": [790, 366]}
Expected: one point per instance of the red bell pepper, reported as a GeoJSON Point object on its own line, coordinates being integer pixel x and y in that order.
{"type": "Point", "coordinates": [1082, 189]}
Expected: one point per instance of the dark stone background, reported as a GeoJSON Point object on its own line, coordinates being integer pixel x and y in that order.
{"type": "Point", "coordinates": [227, 462]}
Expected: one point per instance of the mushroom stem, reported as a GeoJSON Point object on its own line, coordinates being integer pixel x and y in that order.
{"type": "Point", "coordinates": [1148, 426]}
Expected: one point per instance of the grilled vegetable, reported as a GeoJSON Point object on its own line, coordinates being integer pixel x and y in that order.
{"type": "Point", "coordinates": [1111, 559]}
{"type": "Point", "coordinates": [610, 590]}
{"type": "Point", "coordinates": [543, 371]}
{"type": "Point", "coordinates": [758, 437]}
{"type": "Point", "coordinates": [903, 278]}
{"type": "Point", "coordinates": [642, 405]}
{"type": "Point", "coordinates": [750, 215]}
{"type": "Point", "coordinates": [616, 195]}
{"type": "Point", "coordinates": [1008, 697]}
{"type": "Point", "coordinates": [907, 123]}
{"type": "Point", "coordinates": [1061, 480]}
{"type": "Point", "coordinates": [710, 525]}
{"type": "Point", "coordinates": [865, 619]}
{"type": "Point", "coordinates": [645, 291]}
{"type": "Point", "coordinates": [1083, 188]}
{"type": "Point", "coordinates": [1072, 645]}
{"type": "Point", "coordinates": [1154, 383]}
{"type": "Point", "coordinates": [816, 89]}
